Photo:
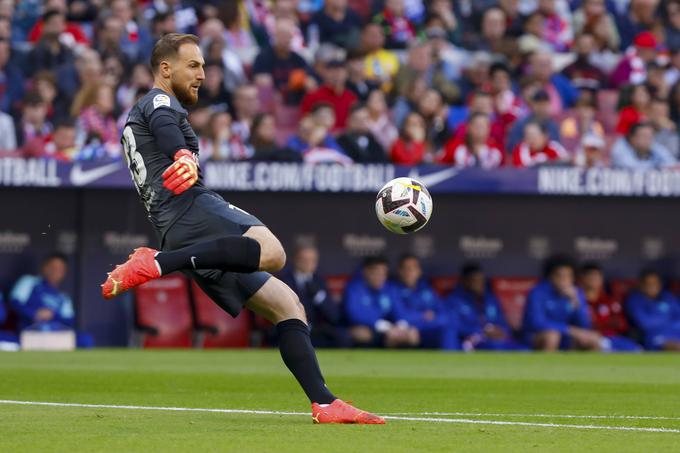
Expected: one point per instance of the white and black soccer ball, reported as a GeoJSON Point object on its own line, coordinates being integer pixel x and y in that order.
{"type": "Point", "coordinates": [403, 205]}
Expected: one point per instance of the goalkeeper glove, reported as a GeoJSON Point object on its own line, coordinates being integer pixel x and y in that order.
{"type": "Point", "coordinates": [182, 174]}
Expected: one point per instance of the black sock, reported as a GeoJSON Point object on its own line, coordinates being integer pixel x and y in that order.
{"type": "Point", "coordinates": [230, 253]}
{"type": "Point", "coordinates": [299, 356]}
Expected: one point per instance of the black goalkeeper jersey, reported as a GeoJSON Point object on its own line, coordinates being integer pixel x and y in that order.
{"type": "Point", "coordinates": [156, 128]}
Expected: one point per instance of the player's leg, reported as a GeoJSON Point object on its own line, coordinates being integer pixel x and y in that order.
{"type": "Point", "coordinates": [276, 302]}
{"type": "Point", "coordinates": [547, 340]}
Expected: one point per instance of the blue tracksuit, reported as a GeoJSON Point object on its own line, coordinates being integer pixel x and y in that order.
{"type": "Point", "coordinates": [31, 293]}
{"type": "Point", "coordinates": [411, 305]}
{"type": "Point", "coordinates": [473, 314]}
{"type": "Point", "coordinates": [364, 306]}
{"type": "Point", "coordinates": [546, 309]}
{"type": "Point", "coordinates": [658, 320]}
{"type": "Point", "coordinates": [4, 335]}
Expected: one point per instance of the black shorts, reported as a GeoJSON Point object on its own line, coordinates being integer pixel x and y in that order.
{"type": "Point", "coordinates": [210, 217]}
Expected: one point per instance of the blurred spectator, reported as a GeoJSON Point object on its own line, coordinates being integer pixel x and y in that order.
{"type": "Point", "coordinates": [323, 314]}
{"type": "Point", "coordinates": [136, 42]}
{"type": "Point", "coordinates": [592, 17]}
{"type": "Point", "coordinates": [333, 92]}
{"type": "Point", "coordinates": [557, 31]}
{"type": "Point", "coordinates": [556, 315]}
{"type": "Point", "coordinates": [358, 140]}
{"type": "Point", "coordinates": [475, 76]}
{"type": "Point", "coordinates": [476, 149]}
{"type": "Point", "coordinates": [316, 145]}
{"type": "Point", "coordinates": [212, 90]}
{"type": "Point", "coordinates": [638, 151]}
{"type": "Point", "coordinates": [369, 302]}
{"type": "Point", "coordinates": [582, 72]}
{"type": "Point", "coordinates": [62, 143]}
{"type": "Point", "coordinates": [442, 73]}
{"type": "Point", "coordinates": [418, 63]}
{"type": "Point", "coordinates": [214, 47]}
{"type": "Point", "coordinates": [8, 137]}
{"type": "Point", "coordinates": [379, 121]}
{"type": "Point", "coordinates": [666, 133]}
{"type": "Point", "coordinates": [481, 323]}
{"type": "Point", "coordinates": [139, 78]}
{"type": "Point", "coordinates": [381, 64]}
{"type": "Point", "coordinates": [635, 100]}
{"type": "Point", "coordinates": [356, 75]}
{"type": "Point", "coordinates": [398, 28]}
{"type": "Point", "coordinates": [656, 78]}
{"type": "Point", "coordinates": [506, 104]}
{"type": "Point", "coordinates": [11, 81]}
{"type": "Point", "coordinates": [87, 70]}
{"type": "Point", "coordinates": [435, 113]}
{"type": "Point", "coordinates": [479, 102]}
{"type": "Point", "coordinates": [49, 52]}
{"type": "Point", "coordinates": [443, 11]}
{"type": "Point", "coordinates": [539, 105]}
{"type": "Point", "coordinates": [336, 23]}
{"type": "Point", "coordinates": [263, 141]}
{"type": "Point", "coordinates": [35, 128]}
{"type": "Point", "coordinates": [73, 34]}
{"type": "Point", "coordinates": [93, 107]}
{"type": "Point", "coordinates": [560, 90]}
{"type": "Point", "coordinates": [417, 305]}
{"type": "Point", "coordinates": [493, 28]}
{"type": "Point", "coordinates": [39, 303]}
{"type": "Point", "coordinates": [591, 152]}
{"type": "Point", "coordinates": [632, 68]}
{"type": "Point", "coordinates": [607, 314]}
{"type": "Point", "coordinates": [536, 148]}
{"type": "Point", "coordinates": [45, 84]}
{"type": "Point", "coordinates": [579, 122]}
{"type": "Point", "coordinates": [672, 24]}
{"type": "Point", "coordinates": [246, 106]}
{"type": "Point", "coordinates": [655, 313]}
{"type": "Point", "coordinates": [238, 35]}
{"type": "Point", "coordinates": [640, 17]}
{"type": "Point", "coordinates": [410, 148]}
{"type": "Point", "coordinates": [513, 17]}
{"type": "Point", "coordinates": [219, 143]}
{"type": "Point", "coordinates": [279, 67]}
{"type": "Point", "coordinates": [110, 34]}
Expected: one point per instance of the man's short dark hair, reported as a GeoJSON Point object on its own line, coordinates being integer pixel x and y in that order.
{"type": "Point", "coordinates": [168, 47]}
{"type": "Point", "coordinates": [555, 262]}
{"type": "Point", "coordinates": [499, 67]}
{"type": "Point", "coordinates": [649, 272]}
{"type": "Point", "coordinates": [33, 98]}
{"type": "Point", "coordinates": [637, 126]}
{"type": "Point", "coordinates": [65, 122]}
{"type": "Point", "coordinates": [370, 261]}
{"type": "Point", "coordinates": [54, 256]}
{"type": "Point", "coordinates": [470, 268]}
{"type": "Point", "coordinates": [407, 256]}
{"type": "Point", "coordinates": [50, 13]}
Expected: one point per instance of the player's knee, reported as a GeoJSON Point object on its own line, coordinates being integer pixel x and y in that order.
{"type": "Point", "coordinates": [361, 335]}
{"type": "Point", "coordinates": [277, 258]}
{"type": "Point", "coordinates": [548, 340]}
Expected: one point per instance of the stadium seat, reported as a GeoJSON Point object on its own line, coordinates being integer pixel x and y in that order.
{"type": "Point", "coordinates": [619, 288]}
{"type": "Point", "coordinates": [218, 329]}
{"type": "Point", "coordinates": [443, 284]}
{"type": "Point", "coordinates": [336, 285]}
{"type": "Point", "coordinates": [512, 294]}
{"type": "Point", "coordinates": [163, 313]}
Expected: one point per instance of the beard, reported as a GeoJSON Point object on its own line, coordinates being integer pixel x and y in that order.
{"type": "Point", "coordinates": [184, 94]}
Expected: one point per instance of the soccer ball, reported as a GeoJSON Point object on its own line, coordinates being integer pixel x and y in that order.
{"type": "Point", "coordinates": [403, 205]}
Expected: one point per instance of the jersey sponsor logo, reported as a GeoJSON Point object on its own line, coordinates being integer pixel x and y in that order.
{"type": "Point", "coordinates": [80, 177]}
{"type": "Point", "coordinates": [161, 100]}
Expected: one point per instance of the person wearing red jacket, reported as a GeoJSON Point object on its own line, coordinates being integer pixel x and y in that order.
{"type": "Point", "coordinates": [333, 92]}
{"type": "Point", "coordinates": [476, 149]}
{"type": "Point", "coordinates": [536, 148]}
{"type": "Point", "coordinates": [410, 147]}
{"type": "Point", "coordinates": [606, 313]}
{"type": "Point", "coordinates": [635, 110]}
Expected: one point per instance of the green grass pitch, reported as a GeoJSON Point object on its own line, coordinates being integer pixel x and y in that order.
{"type": "Point", "coordinates": [587, 396]}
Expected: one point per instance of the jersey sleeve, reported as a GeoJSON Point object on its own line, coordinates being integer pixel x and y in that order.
{"type": "Point", "coordinates": [164, 117]}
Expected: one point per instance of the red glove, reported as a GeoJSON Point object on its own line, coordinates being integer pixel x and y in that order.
{"type": "Point", "coordinates": [182, 174]}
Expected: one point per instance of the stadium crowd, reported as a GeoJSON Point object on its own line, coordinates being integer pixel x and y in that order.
{"type": "Point", "coordinates": [485, 83]}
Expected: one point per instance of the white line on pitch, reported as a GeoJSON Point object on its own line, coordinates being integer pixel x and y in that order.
{"type": "Point", "coordinates": [486, 414]}
{"type": "Point", "coordinates": [415, 419]}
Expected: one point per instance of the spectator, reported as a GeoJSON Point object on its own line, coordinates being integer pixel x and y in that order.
{"type": "Point", "coordinates": [356, 75]}
{"type": "Point", "coordinates": [506, 104]}
{"type": "Point", "coordinates": [379, 121]}
{"type": "Point", "coordinates": [369, 302]}
{"type": "Point", "coordinates": [238, 35]}
{"type": "Point", "coordinates": [607, 314]}
{"type": "Point", "coordinates": [212, 90]}
{"type": "Point", "coordinates": [481, 322]}
{"type": "Point", "coordinates": [442, 13]}
{"type": "Point", "coordinates": [636, 101]}
{"type": "Point", "coordinates": [514, 19]}
{"type": "Point", "coordinates": [45, 84]}
{"type": "Point", "coordinates": [418, 64]}
{"type": "Point", "coordinates": [136, 42]}
{"type": "Point", "coordinates": [140, 78]}
{"type": "Point", "coordinates": [263, 141]}
{"type": "Point", "coordinates": [557, 31]}
{"type": "Point", "coordinates": [435, 113]}
{"type": "Point", "coordinates": [561, 92]}
{"type": "Point", "coordinates": [672, 24]}
{"type": "Point", "coordinates": [632, 68]}
{"type": "Point", "coordinates": [281, 68]}
{"type": "Point", "coordinates": [315, 144]}
{"type": "Point", "coordinates": [475, 77]}
{"type": "Point", "coordinates": [220, 143]}
{"type": "Point", "coordinates": [358, 141]}
{"type": "Point", "coordinates": [476, 149]}
{"type": "Point", "coordinates": [640, 17]}
{"type": "Point", "coordinates": [87, 70]}
{"type": "Point", "coordinates": [410, 148]}
{"type": "Point", "coordinates": [537, 148]}
{"type": "Point", "coordinates": [93, 107]}
{"type": "Point", "coordinates": [336, 23]}
{"type": "Point", "coordinates": [442, 73]}
{"type": "Point", "coordinates": [246, 106]}
{"type": "Point", "coordinates": [381, 64]}
{"type": "Point", "coordinates": [666, 133]}
{"type": "Point", "coordinates": [579, 122]}
{"type": "Point", "coordinates": [539, 105]}
{"type": "Point", "coordinates": [334, 92]}
{"type": "Point", "coordinates": [8, 137]}
{"type": "Point", "coordinates": [493, 28]}
{"type": "Point", "coordinates": [213, 44]}
{"type": "Point", "coordinates": [73, 34]}
{"type": "Point", "coordinates": [591, 152]}
{"type": "Point", "coordinates": [417, 305]}
{"type": "Point", "coordinates": [638, 151]}
{"type": "Point", "coordinates": [49, 53]}
{"type": "Point", "coordinates": [39, 303]}
{"type": "Point", "coordinates": [62, 143]}
{"type": "Point", "coordinates": [479, 102]}
{"type": "Point", "coordinates": [582, 72]}
{"type": "Point", "coordinates": [110, 35]}
{"type": "Point", "coordinates": [592, 17]}
{"type": "Point", "coordinates": [11, 81]}
{"type": "Point", "coordinates": [35, 128]}
{"type": "Point", "coordinates": [323, 314]}
{"type": "Point", "coordinates": [655, 313]}
{"type": "Point", "coordinates": [556, 315]}
{"type": "Point", "coordinates": [398, 28]}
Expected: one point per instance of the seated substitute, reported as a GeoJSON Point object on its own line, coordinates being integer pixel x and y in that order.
{"type": "Point", "coordinates": [369, 305]}
{"type": "Point", "coordinates": [655, 312]}
{"type": "Point", "coordinates": [417, 304]}
{"type": "Point", "coordinates": [556, 315]}
{"type": "Point", "coordinates": [323, 314]}
{"type": "Point", "coordinates": [39, 304]}
{"type": "Point", "coordinates": [5, 336]}
{"type": "Point", "coordinates": [481, 322]}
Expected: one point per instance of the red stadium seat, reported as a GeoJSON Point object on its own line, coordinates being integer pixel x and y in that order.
{"type": "Point", "coordinates": [512, 294]}
{"type": "Point", "coordinates": [163, 313]}
{"type": "Point", "coordinates": [444, 284]}
{"type": "Point", "coordinates": [219, 329]}
{"type": "Point", "coordinates": [336, 285]}
{"type": "Point", "coordinates": [619, 288]}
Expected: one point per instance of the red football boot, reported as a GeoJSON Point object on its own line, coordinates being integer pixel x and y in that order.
{"type": "Point", "coordinates": [138, 269]}
{"type": "Point", "coordinates": [340, 412]}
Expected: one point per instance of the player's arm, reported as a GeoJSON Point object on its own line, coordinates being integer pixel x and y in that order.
{"type": "Point", "coordinates": [183, 172]}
